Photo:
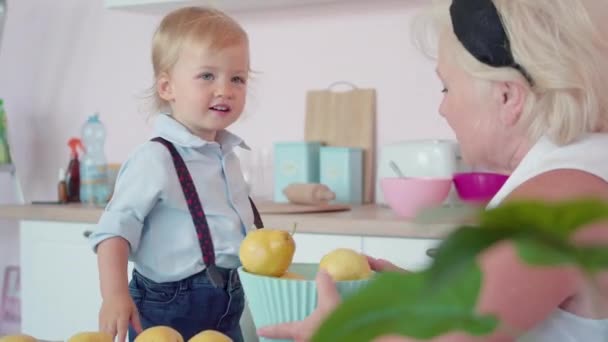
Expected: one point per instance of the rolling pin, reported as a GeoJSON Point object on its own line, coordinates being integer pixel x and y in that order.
{"type": "Point", "coordinates": [308, 193]}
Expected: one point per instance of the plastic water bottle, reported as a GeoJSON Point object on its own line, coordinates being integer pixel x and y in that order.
{"type": "Point", "coordinates": [94, 187]}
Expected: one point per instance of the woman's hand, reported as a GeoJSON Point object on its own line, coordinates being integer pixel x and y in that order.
{"type": "Point", "coordinates": [301, 331]}
{"type": "Point", "coordinates": [381, 265]}
{"type": "Point", "coordinates": [327, 300]}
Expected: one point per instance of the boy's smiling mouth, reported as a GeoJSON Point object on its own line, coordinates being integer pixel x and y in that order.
{"type": "Point", "coordinates": [221, 109]}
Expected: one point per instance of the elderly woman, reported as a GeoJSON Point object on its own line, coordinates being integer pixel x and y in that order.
{"type": "Point", "coordinates": [526, 92]}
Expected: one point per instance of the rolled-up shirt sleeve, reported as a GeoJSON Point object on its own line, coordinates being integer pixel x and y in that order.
{"type": "Point", "coordinates": [138, 188]}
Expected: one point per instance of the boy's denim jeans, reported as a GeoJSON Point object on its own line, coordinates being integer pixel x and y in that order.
{"type": "Point", "coordinates": [190, 305]}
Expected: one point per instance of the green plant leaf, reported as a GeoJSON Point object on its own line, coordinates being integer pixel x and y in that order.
{"type": "Point", "coordinates": [539, 251]}
{"type": "Point", "coordinates": [593, 259]}
{"type": "Point", "coordinates": [545, 229]}
{"type": "Point", "coordinates": [517, 214]}
{"type": "Point", "coordinates": [442, 299]}
{"type": "Point", "coordinates": [559, 219]}
{"type": "Point", "coordinates": [573, 215]}
{"type": "Point", "coordinates": [536, 250]}
{"type": "Point", "coordinates": [460, 248]}
{"type": "Point", "coordinates": [402, 303]}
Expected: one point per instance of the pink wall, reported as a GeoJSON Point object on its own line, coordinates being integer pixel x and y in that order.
{"type": "Point", "coordinates": [62, 60]}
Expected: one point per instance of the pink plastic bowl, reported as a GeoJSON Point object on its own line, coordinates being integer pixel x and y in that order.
{"type": "Point", "coordinates": [407, 196]}
{"type": "Point", "coordinates": [478, 186]}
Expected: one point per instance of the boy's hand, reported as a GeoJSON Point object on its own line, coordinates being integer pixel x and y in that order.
{"type": "Point", "coordinates": [115, 315]}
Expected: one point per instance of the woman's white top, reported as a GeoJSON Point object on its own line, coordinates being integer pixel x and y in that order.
{"type": "Point", "coordinates": [589, 154]}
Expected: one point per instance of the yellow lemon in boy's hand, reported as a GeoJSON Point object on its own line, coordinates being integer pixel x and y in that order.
{"type": "Point", "coordinates": [292, 275]}
{"type": "Point", "coordinates": [345, 264]}
{"type": "Point", "coordinates": [92, 336]}
{"type": "Point", "coordinates": [159, 333]}
{"type": "Point", "coordinates": [17, 338]}
{"type": "Point", "coordinates": [210, 336]}
{"type": "Point", "coordinates": [267, 252]}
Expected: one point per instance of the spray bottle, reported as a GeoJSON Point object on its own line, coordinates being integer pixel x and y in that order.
{"type": "Point", "coordinates": [72, 176]}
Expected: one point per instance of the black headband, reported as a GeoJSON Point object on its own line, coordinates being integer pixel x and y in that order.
{"type": "Point", "coordinates": [478, 26]}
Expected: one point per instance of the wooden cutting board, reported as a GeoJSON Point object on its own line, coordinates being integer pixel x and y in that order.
{"type": "Point", "coordinates": [289, 208]}
{"type": "Point", "coordinates": [347, 119]}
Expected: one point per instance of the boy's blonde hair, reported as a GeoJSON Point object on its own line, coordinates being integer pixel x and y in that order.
{"type": "Point", "coordinates": [205, 27]}
{"type": "Point", "coordinates": [561, 47]}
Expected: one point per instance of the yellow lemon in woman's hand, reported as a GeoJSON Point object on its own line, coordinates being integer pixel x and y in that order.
{"type": "Point", "coordinates": [267, 252]}
{"type": "Point", "coordinates": [210, 336]}
{"type": "Point", "coordinates": [345, 264]}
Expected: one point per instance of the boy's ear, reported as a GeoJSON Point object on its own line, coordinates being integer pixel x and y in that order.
{"type": "Point", "coordinates": [164, 87]}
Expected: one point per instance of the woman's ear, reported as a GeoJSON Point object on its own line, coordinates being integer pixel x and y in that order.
{"type": "Point", "coordinates": [513, 99]}
{"type": "Point", "coordinates": [164, 87]}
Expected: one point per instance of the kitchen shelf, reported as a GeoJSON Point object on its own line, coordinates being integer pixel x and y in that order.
{"type": "Point", "coordinates": [367, 220]}
{"type": "Point", "coordinates": [165, 6]}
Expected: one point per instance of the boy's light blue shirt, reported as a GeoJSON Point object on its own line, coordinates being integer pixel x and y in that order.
{"type": "Point", "coordinates": [149, 210]}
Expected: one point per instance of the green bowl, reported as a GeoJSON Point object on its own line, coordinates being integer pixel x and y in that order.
{"type": "Point", "coordinates": [275, 300]}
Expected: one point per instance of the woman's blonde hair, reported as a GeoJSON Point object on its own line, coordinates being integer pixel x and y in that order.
{"type": "Point", "coordinates": [562, 49]}
{"type": "Point", "coordinates": [205, 27]}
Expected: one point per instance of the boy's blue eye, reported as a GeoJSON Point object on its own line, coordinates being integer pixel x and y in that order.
{"type": "Point", "coordinates": [207, 76]}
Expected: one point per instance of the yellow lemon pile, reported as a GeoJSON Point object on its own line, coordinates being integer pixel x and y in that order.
{"type": "Point", "coordinates": [168, 334]}
{"type": "Point", "coordinates": [269, 252]}
{"type": "Point", "coordinates": [152, 334]}
{"type": "Point", "coordinates": [17, 338]}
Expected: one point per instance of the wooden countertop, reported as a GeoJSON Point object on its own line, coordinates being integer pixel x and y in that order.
{"type": "Point", "coordinates": [368, 220]}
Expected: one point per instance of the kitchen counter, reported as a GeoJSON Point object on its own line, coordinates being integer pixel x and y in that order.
{"type": "Point", "coordinates": [54, 245]}
{"type": "Point", "coordinates": [367, 220]}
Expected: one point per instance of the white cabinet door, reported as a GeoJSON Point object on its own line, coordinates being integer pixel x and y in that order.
{"type": "Point", "coordinates": [411, 254]}
{"type": "Point", "coordinates": [310, 248]}
{"type": "Point", "coordinates": [59, 280]}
